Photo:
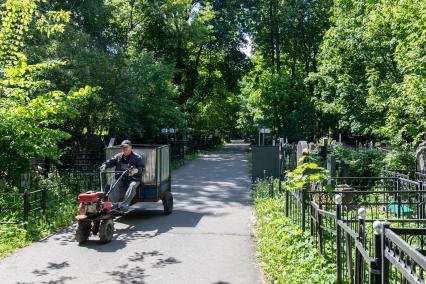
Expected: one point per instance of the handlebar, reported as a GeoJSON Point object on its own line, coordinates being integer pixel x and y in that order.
{"type": "Point", "coordinates": [128, 169]}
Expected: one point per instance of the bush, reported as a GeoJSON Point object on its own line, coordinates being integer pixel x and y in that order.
{"type": "Point", "coordinates": [370, 162]}
{"type": "Point", "coordinates": [61, 208]}
{"type": "Point", "coordinates": [287, 254]}
{"type": "Point", "coordinates": [362, 163]}
{"type": "Point", "coordinates": [402, 158]}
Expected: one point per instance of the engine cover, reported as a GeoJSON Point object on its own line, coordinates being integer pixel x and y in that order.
{"type": "Point", "coordinates": [90, 197]}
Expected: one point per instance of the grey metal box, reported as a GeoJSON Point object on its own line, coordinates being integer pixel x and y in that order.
{"type": "Point", "coordinates": [265, 158]}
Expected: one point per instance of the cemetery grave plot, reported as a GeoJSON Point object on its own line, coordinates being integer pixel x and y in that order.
{"type": "Point", "coordinates": [373, 228]}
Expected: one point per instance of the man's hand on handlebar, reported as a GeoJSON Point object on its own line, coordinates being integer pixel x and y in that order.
{"type": "Point", "coordinates": [133, 171]}
{"type": "Point", "coordinates": [103, 167]}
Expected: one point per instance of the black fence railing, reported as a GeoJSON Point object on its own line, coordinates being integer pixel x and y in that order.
{"type": "Point", "coordinates": [43, 196]}
{"type": "Point", "coordinates": [373, 228]}
{"type": "Point", "coordinates": [87, 159]}
{"type": "Point", "coordinates": [401, 261]}
{"type": "Point", "coordinates": [42, 192]}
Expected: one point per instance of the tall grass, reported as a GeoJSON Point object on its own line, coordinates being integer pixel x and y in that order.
{"type": "Point", "coordinates": [287, 254]}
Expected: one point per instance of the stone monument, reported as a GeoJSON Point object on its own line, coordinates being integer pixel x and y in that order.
{"type": "Point", "coordinates": [421, 158]}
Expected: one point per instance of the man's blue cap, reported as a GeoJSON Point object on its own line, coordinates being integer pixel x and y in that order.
{"type": "Point", "coordinates": [126, 143]}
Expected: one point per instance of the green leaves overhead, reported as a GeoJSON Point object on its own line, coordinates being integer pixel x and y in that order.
{"type": "Point", "coordinates": [31, 111]}
{"type": "Point", "coordinates": [355, 67]}
{"type": "Point", "coordinates": [371, 72]}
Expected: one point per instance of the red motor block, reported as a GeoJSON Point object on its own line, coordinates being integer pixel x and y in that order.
{"type": "Point", "coordinates": [90, 197]}
{"type": "Point", "coordinates": [107, 205]}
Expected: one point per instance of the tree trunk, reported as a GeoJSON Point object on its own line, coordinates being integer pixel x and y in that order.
{"type": "Point", "coordinates": [271, 23]}
{"type": "Point", "coordinates": [194, 74]}
{"type": "Point", "coordinates": [277, 38]}
{"type": "Point", "coordinates": [130, 26]}
{"type": "Point", "coordinates": [293, 65]}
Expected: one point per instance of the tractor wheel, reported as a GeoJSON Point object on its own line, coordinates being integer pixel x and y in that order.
{"type": "Point", "coordinates": [83, 231]}
{"type": "Point", "coordinates": [106, 230]}
{"type": "Point", "coordinates": [168, 202]}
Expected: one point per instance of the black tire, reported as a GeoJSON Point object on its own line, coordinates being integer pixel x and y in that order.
{"type": "Point", "coordinates": [168, 202]}
{"type": "Point", "coordinates": [83, 231]}
{"type": "Point", "coordinates": [106, 230]}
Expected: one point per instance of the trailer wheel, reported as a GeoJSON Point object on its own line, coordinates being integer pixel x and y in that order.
{"type": "Point", "coordinates": [83, 231]}
{"type": "Point", "coordinates": [106, 230]}
{"type": "Point", "coordinates": [168, 202]}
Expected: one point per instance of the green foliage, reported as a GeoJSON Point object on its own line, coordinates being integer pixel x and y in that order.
{"type": "Point", "coordinates": [190, 36]}
{"type": "Point", "coordinates": [275, 101]}
{"type": "Point", "coordinates": [400, 158]}
{"type": "Point", "coordinates": [61, 208]}
{"type": "Point", "coordinates": [305, 174]}
{"type": "Point", "coordinates": [30, 109]}
{"type": "Point", "coordinates": [363, 162]}
{"type": "Point", "coordinates": [286, 37]}
{"type": "Point", "coordinates": [287, 254]}
{"type": "Point", "coordinates": [371, 72]}
{"type": "Point", "coordinates": [370, 162]}
{"type": "Point", "coordinates": [159, 63]}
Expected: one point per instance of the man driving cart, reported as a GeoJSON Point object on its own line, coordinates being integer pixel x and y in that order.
{"type": "Point", "coordinates": [129, 161]}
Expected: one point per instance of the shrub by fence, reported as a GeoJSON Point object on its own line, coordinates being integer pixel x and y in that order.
{"type": "Point", "coordinates": [374, 228]}
{"type": "Point", "coordinates": [43, 196]}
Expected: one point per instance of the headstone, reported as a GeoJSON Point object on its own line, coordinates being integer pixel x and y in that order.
{"type": "Point", "coordinates": [331, 165]}
{"type": "Point", "coordinates": [421, 158]}
{"type": "Point", "coordinates": [25, 180]}
{"type": "Point", "coordinates": [302, 146]}
{"type": "Point", "coordinates": [322, 151]}
{"type": "Point", "coordinates": [111, 142]}
{"type": "Point", "coordinates": [344, 168]}
{"type": "Point", "coordinates": [325, 141]}
{"type": "Point", "coordinates": [311, 147]}
{"type": "Point", "coordinates": [331, 168]}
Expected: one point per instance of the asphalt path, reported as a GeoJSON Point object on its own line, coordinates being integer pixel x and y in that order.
{"type": "Point", "coordinates": [207, 239]}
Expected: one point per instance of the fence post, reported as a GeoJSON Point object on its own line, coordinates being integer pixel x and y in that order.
{"type": "Point", "coordinates": [398, 196]}
{"type": "Point", "coordinates": [279, 184]}
{"type": "Point", "coordinates": [338, 201]}
{"type": "Point", "coordinates": [26, 207]}
{"type": "Point", "coordinates": [271, 187]}
{"type": "Point", "coordinates": [183, 152]}
{"type": "Point", "coordinates": [385, 261]}
{"type": "Point", "coordinates": [303, 197]}
{"type": "Point", "coordinates": [311, 221]}
{"type": "Point", "coordinates": [320, 231]}
{"type": "Point", "coordinates": [359, 263]}
{"type": "Point", "coordinates": [43, 199]}
{"type": "Point", "coordinates": [91, 183]}
{"type": "Point", "coordinates": [421, 205]}
{"type": "Point", "coordinates": [287, 203]}
{"type": "Point", "coordinates": [375, 276]}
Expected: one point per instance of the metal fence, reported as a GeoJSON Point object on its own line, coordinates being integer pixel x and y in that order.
{"type": "Point", "coordinates": [42, 192]}
{"type": "Point", "coordinates": [373, 228]}
{"type": "Point", "coordinates": [44, 195]}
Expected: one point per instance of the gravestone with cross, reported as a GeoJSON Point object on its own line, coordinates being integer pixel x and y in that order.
{"type": "Point", "coordinates": [421, 158]}
{"type": "Point", "coordinates": [302, 147]}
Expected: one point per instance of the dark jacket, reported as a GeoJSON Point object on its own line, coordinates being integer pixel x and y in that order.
{"type": "Point", "coordinates": [122, 162]}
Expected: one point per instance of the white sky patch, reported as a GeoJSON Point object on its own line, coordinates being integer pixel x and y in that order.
{"type": "Point", "coordinates": [247, 48]}
{"type": "Point", "coordinates": [196, 8]}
